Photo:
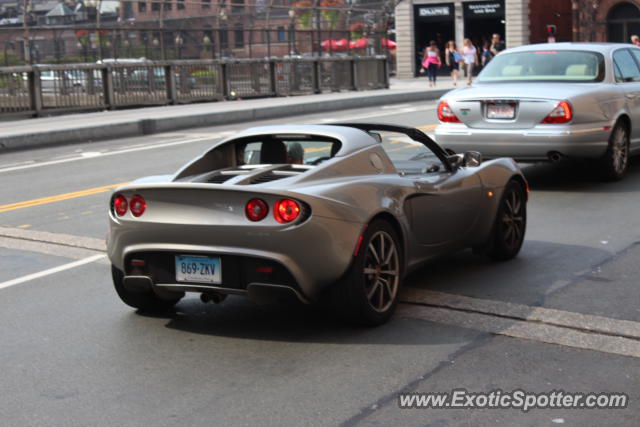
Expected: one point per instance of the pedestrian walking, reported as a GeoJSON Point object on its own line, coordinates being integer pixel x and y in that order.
{"type": "Point", "coordinates": [486, 54]}
{"type": "Point", "coordinates": [431, 62]}
{"type": "Point", "coordinates": [453, 59]}
{"type": "Point", "coordinates": [470, 56]}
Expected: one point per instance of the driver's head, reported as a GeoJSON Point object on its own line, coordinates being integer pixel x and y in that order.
{"type": "Point", "coordinates": [295, 153]}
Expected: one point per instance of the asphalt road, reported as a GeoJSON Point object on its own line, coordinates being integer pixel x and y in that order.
{"type": "Point", "coordinates": [564, 315]}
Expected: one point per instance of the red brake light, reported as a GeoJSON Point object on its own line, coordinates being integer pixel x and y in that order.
{"type": "Point", "coordinates": [561, 114]}
{"type": "Point", "coordinates": [138, 205]}
{"type": "Point", "coordinates": [120, 205]}
{"type": "Point", "coordinates": [286, 210]}
{"type": "Point", "coordinates": [446, 114]}
{"type": "Point", "coordinates": [256, 209]}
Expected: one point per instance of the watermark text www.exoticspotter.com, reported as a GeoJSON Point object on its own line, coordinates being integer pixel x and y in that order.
{"type": "Point", "coordinates": [516, 399]}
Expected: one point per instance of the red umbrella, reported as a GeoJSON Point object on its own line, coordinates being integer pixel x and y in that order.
{"type": "Point", "coordinates": [361, 43]}
{"type": "Point", "coordinates": [390, 44]}
{"type": "Point", "coordinates": [328, 44]}
{"type": "Point", "coordinates": [342, 44]}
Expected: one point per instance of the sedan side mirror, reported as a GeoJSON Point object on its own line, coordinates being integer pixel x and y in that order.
{"type": "Point", "coordinates": [472, 159]}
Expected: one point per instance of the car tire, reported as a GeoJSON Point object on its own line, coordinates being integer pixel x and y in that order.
{"type": "Point", "coordinates": [615, 161]}
{"type": "Point", "coordinates": [510, 223]}
{"type": "Point", "coordinates": [143, 301]}
{"type": "Point", "coordinates": [368, 292]}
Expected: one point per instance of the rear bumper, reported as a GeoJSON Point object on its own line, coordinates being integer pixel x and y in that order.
{"type": "Point", "coordinates": [582, 141]}
{"type": "Point", "coordinates": [306, 257]}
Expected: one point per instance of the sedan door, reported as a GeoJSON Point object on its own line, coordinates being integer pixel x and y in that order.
{"type": "Point", "coordinates": [627, 75]}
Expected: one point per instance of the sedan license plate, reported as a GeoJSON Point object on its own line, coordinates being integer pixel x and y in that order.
{"type": "Point", "coordinates": [198, 269]}
{"type": "Point", "coordinates": [501, 111]}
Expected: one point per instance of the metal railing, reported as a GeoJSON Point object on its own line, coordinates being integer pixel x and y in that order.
{"type": "Point", "coordinates": [41, 89]}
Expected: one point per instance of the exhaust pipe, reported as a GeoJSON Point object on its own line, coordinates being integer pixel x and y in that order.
{"type": "Point", "coordinates": [213, 297]}
{"type": "Point", "coordinates": [555, 157]}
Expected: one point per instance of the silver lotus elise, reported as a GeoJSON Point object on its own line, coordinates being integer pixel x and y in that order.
{"type": "Point", "coordinates": [550, 101]}
{"type": "Point", "coordinates": [343, 211]}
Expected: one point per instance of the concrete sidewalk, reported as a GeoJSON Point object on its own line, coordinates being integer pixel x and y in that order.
{"type": "Point", "coordinates": [83, 127]}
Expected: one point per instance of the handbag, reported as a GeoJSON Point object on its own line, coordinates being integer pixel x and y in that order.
{"type": "Point", "coordinates": [457, 57]}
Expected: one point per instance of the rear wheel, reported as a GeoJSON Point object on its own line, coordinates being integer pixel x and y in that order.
{"type": "Point", "coordinates": [510, 223]}
{"type": "Point", "coordinates": [615, 161]}
{"type": "Point", "coordinates": [368, 293]}
{"type": "Point", "coordinates": [144, 301]}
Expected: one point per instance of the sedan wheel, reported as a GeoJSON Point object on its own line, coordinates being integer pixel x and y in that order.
{"type": "Point", "coordinates": [615, 161]}
{"type": "Point", "coordinates": [368, 292]}
{"type": "Point", "coordinates": [510, 224]}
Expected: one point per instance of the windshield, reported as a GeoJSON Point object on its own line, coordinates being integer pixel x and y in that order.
{"type": "Point", "coordinates": [544, 65]}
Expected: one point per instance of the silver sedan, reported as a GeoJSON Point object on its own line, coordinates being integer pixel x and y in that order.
{"type": "Point", "coordinates": [549, 101]}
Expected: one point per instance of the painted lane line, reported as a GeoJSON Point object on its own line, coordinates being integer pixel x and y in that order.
{"type": "Point", "coordinates": [50, 271]}
{"type": "Point", "coordinates": [58, 197]}
{"type": "Point", "coordinates": [531, 331]}
{"type": "Point", "coordinates": [70, 240]}
{"type": "Point", "coordinates": [37, 247]}
{"type": "Point", "coordinates": [106, 154]}
{"type": "Point", "coordinates": [565, 319]}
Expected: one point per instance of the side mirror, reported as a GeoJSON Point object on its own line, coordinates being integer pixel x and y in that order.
{"type": "Point", "coordinates": [472, 159]}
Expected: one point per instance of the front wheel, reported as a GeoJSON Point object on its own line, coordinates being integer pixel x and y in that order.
{"type": "Point", "coordinates": [368, 293]}
{"type": "Point", "coordinates": [144, 301]}
{"type": "Point", "coordinates": [615, 161]}
{"type": "Point", "coordinates": [510, 223]}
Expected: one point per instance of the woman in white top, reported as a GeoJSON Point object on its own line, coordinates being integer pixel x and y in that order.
{"type": "Point", "coordinates": [470, 56]}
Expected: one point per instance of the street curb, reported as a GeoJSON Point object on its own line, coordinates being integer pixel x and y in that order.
{"type": "Point", "coordinates": [139, 127]}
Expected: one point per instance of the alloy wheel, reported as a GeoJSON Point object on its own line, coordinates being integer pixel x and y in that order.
{"type": "Point", "coordinates": [619, 150]}
{"type": "Point", "coordinates": [513, 219]}
{"type": "Point", "coordinates": [381, 271]}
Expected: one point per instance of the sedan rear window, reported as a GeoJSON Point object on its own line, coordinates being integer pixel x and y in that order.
{"type": "Point", "coordinates": [546, 66]}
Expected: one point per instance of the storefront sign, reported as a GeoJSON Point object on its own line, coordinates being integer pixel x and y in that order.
{"type": "Point", "coordinates": [484, 9]}
{"type": "Point", "coordinates": [434, 11]}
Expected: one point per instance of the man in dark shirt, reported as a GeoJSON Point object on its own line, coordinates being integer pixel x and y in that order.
{"type": "Point", "coordinates": [497, 45]}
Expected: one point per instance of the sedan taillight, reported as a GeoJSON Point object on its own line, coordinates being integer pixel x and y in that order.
{"type": "Point", "coordinates": [446, 114]}
{"type": "Point", "coordinates": [562, 113]}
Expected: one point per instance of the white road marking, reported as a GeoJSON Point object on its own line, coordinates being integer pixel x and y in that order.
{"type": "Point", "coordinates": [393, 107]}
{"type": "Point", "coordinates": [61, 239]}
{"type": "Point", "coordinates": [50, 271]}
{"type": "Point", "coordinates": [108, 153]}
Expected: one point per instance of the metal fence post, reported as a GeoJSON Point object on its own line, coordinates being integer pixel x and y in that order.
{"type": "Point", "coordinates": [354, 71]}
{"type": "Point", "coordinates": [170, 82]}
{"type": "Point", "coordinates": [385, 71]}
{"type": "Point", "coordinates": [107, 87]}
{"type": "Point", "coordinates": [35, 91]}
{"type": "Point", "coordinates": [272, 77]}
{"type": "Point", "coordinates": [316, 77]}
{"type": "Point", "coordinates": [225, 82]}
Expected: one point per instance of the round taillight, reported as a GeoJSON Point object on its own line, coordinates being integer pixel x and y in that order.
{"type": "Point", "coordinates": [286, 210]}
{"type": "Point", "coordinates": [137, 205]}
{"type": "Point", "coordinates": [120, 205]}
{"type": "Point", "coordinates": [256, 209]}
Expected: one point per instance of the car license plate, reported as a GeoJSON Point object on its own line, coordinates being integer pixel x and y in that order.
{"type": "Point", "coordinates": [501, 111]}
{"type": "Point", "coordinates": [199, 269]}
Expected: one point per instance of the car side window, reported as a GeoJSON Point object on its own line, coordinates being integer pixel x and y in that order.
{"type": "Point", "coordinates": [626, 66]}
{"type": "Point", "coordinates": [410, 157]}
